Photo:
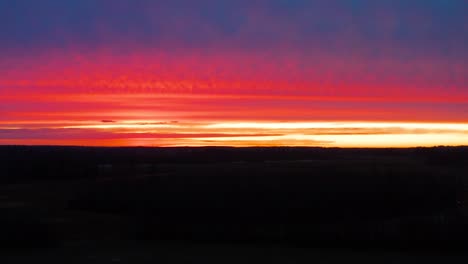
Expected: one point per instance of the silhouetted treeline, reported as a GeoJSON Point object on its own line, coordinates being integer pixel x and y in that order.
{"type": "Point", "coordinates": [19, 163]}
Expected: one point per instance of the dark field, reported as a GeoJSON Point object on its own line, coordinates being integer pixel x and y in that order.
{"type": "Point", "coordinates": [231, 205]}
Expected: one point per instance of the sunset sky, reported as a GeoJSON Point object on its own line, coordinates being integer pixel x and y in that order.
{"type": "Point", "coordinates": [346, 73]}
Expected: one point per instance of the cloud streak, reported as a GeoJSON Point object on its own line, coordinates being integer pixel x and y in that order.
{"type": "Point", "coordinates": [242, 134]}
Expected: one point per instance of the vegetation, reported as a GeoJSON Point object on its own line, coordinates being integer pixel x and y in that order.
{"type": "Point", "coordinates": [307, 196]}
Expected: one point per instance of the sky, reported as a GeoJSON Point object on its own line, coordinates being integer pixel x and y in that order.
{"type": "Point", "coordinates": [332, 73]}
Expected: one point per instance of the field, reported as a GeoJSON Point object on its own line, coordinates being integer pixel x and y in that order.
{"type": "Point", "coordinates": [227, 204]}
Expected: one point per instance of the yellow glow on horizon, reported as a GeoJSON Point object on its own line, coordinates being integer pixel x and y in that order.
{"type": "Point", "coordinates": [248, 133]}
{"type": "Point", "coordinates": [345, 124]}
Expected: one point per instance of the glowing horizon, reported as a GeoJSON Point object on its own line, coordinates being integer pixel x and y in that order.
{"type": "Point", "coordinates": [238, 134]}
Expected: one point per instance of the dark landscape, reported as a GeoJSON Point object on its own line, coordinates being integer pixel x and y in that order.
{"type": "Point", "coordinates": [233, 131]}
{"type": "Point", "coordinates": [184, 205]}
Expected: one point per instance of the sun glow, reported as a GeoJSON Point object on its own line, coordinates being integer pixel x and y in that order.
{"type": "Point", "coordinates": [240, 133]}
{"type": "Point", "coordinates": [346, 124]}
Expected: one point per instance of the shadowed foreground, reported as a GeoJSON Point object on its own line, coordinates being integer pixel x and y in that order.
{"type": "Point", "coordinates": [89, 252]}
{"type": "Point", "coordinates": [137, 205]}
